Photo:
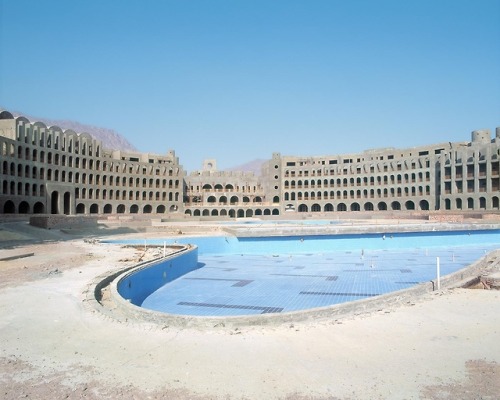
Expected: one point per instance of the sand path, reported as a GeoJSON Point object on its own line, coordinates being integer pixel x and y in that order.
{"type": "Point", "coordinates": [54, 345]}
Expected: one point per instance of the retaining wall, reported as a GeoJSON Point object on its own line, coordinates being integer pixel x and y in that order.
{"type": "Point", "coordinates": [63, 221]}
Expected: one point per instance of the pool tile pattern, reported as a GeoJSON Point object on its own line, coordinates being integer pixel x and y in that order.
{"type": "Point", "coordinates": [263, 283]}
{"type": "Point", "coordinates": [327, 277]}
{"type": "Point", "coordinates": [239, 282]}
{"type": "Point", "coordinates": [264, 310]}
{"type": "Point", "coordinates": [340, 294]}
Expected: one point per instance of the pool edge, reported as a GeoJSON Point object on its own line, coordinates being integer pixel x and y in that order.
{"type": "Point", "coordinates": [122, 309]}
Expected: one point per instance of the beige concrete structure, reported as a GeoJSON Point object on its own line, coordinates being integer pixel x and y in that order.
{"type": "Point", "coordinates": [48, 170]}
{"type": "Point", "coordinates": [226, 194]}
{"type": "Point", "coordinates": [45, 170]}
{"type": "Point", "coordinates": [451, 176]}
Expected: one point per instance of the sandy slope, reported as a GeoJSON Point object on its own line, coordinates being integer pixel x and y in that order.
{"type": "Point", "coordinates": [54, 345]}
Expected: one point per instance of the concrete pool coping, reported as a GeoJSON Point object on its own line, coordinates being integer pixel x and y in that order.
{"type": "Point", "coordinates": [350, 227]}
{"type": "Point", "coordinates": [123, 310]}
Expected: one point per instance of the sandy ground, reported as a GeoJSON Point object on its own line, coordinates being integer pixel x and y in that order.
{"type": "Point", "coordinates": [53, 345]}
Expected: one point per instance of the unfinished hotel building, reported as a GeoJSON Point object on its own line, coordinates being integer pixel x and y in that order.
{"type": "Point", "coordinates": [45, 170]}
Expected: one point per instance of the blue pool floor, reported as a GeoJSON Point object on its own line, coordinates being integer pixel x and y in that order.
{"type": "Point", "coordinates": [229, 285]}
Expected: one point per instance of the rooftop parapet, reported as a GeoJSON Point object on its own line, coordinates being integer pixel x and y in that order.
{"type": "Point", "coordinates": [223, 174]}
{"type": "Point", "coordinates": [481, 136]}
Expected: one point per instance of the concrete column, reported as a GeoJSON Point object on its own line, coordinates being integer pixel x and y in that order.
{"type": "Point", "coordinates": [453, 173]}
{"type": "Point", "coordinates": [476, 171]}
{"type": "Point", "coordinates": [488, 173]}
{"type": "Point", "coordinates": [72, 203]}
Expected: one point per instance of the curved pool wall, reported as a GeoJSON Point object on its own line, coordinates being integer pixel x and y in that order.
{"type": "Point", "coordinates": [139, 283]}
{"type": "Point", "coordinates": [294, 244]}
{"type": "Point", "coordinates": [124, 311]}
{"type": "Point", "coordinates": [136, 285]}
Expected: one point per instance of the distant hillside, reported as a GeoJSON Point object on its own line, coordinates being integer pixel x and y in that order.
{"type": "Point", "coordinates": [110, 139]}
{"type": "Point", "coordinates": [251, 166]}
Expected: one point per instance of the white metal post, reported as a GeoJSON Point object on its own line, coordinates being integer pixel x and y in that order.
{"type": "Point", "coordinates": [438, 274]}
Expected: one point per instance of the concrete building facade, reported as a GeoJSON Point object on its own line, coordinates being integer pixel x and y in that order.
{"type": "Point", "coordinates": [45, 170]}
{"type": "Point", "coordinates": [232, 194]}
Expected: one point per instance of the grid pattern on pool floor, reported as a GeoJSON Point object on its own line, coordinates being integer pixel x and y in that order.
{"type": "Point", "coordinates": [258, 284]}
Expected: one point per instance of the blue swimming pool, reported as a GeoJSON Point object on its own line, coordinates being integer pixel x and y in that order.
{"type": "Point", "coordinates": [246, 276]}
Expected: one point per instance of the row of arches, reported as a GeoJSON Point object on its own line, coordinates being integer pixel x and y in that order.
{"type": "Point", "coordinates": [38, 134]}
{"type": "Point", "coordinates": [108, 208]}
{"type": "Point", "coordinates": [360, 167]}
{"type": "Point", "coordinates": [96, 165]}
{"type": "Point", "coordinates": [34, 172]}
{"type": "Point", "coordinates": [22, 189]}
{"type": "Point", "coordinates": [233, 199]}
{"type": "Point", "coordinates": [368, 206]}
{"type": "Point", "coordinates": [64, 159]}
{"type": "Point", "coordinates": [207, 187]}
{"type": "Point", "coordinates": [359, 194]}
{"type": "Point", "coordinates": [110, 194]}
{"type": "Point", "coordinates": [366, 181]}
{"type": "Point", "coordinates": [23, 207]}
{"type": "Point", "coordinates": [472, 204]}
{"type": "Point", "coordinates": [232, 213]}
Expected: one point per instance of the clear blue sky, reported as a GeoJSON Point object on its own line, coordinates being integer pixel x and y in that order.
{"type": "Point", "coordinates": [238, 80]}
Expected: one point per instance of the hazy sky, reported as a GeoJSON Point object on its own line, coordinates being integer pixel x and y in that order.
{"type": "Point", "coordinates": [238, 80]}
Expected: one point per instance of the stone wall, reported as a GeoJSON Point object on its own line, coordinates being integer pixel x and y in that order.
{"type": "Point", "coordinates": [63, 221]}
{"type": "Point", "coordinates": [446, 218]}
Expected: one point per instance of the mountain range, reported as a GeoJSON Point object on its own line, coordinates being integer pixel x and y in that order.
{"type": "Point", "coordinates": [251, 166]}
